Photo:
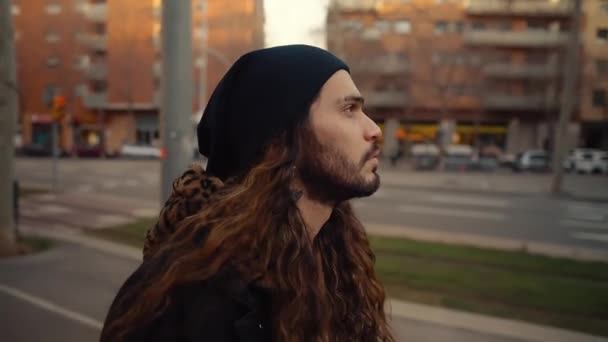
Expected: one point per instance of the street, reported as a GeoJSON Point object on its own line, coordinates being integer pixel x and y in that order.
{"type": "Point", "coordinates": [517, 210]}
{"type": "Point", "coordinates": [65, 292]}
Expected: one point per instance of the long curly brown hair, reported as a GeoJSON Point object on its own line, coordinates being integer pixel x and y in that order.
{"type": "Point", "coordinates": [323, 289]}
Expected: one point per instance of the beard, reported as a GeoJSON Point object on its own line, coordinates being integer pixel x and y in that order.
{"type": "Point", "coordinates": [329, 176]}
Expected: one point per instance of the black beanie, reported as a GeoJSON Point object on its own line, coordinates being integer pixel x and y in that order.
{"type": "Point", "coordinates": [266, 92]}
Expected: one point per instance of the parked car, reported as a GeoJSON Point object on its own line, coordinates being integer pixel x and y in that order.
{"type": "Point", "coordinates": [426, 156]}
{"type": "Point", "coordinates": [587, 161]}
{"type": "Point", "coordinates": [595, 162]}
{"type": "Point", "coordinates": [458, 157]}
{"type": "Point", "coordinates": [140, 152]}
{"type": "Point", "coordinates": [532, 160]}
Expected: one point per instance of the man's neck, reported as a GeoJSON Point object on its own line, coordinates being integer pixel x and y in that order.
{"type": "Point", "coordinates": [314, 214]}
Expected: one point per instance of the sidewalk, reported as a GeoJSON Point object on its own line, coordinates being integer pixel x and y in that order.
{"type": "Point", "coordinates": [397, 309]}
{"type": "Point", "coordinates": [579, 187]}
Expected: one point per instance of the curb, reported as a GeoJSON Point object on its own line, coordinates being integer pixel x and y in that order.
{"type": "Point", "coordinates": [396, 308]}
{"type": "Point", "coordinates": [485, 324]}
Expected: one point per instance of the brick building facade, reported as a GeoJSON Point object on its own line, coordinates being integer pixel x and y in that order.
{"type": "Point", "coordinates": [479, 72]}
{"type": "Point", "coordinates": [104, 56]}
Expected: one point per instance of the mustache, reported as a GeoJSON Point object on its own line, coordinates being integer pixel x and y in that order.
{"type": "Point", "coordinates": [371, 153]}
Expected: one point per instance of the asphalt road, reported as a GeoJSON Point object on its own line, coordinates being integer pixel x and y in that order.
{"type": "Point", "coordinates": [521, 215]}
{"type": "Point", "coordinates": [63, 295]}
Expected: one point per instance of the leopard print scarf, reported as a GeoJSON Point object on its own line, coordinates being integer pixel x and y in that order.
{"type": "Point", "coordinates": [190, 193]}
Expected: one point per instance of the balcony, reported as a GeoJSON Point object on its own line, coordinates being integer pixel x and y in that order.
{"type": "Point", "coordinates": [511, 102]}
{"type": "Point", "coordinates": [352, 5]}
{"type": "Point", "coordinates": [95, 100]}
{"type": "Point", "coordinates": [97, 71]}
{"type": "Point", "coordinates": [385, 99]}
{"type": "Point", "coordinates": [390, 64]}
{"type": "Point", "coordinates": [534, 8]}
{"type": "Point", "coordinates": [93, 41]}
{"type": "Point", "coordinates": [96, 12]}
{"type": "Point", "coordinates": [527, 38]}
{"type": "Point", "coordinates": [512, 70]}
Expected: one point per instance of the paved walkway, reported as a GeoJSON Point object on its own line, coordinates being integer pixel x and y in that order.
{"type": "Point", "coordinates": [403, 313]}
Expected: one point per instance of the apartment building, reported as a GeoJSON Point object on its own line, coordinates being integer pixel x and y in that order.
{"type": "Point", "coordinates": [594, 96]}
{"type": "Point", "coordinates": [49, 63]}
{"type": "Point", "coordinates": [468, 71]}
{"type": "Point", "coordinates": [110, 68]}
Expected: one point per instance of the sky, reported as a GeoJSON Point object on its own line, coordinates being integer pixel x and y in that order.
{"type": "Point", "coordinates": [295, 21]}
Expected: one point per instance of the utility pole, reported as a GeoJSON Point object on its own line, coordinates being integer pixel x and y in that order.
{"type": "Point", "coordinates": [176, 91]}
{"type": "Point", "coordinates": [205, 62]}
{"type": "Point", "coordinates": [569, 90]}
{"type": "Point", "coordinates": [8, 123]}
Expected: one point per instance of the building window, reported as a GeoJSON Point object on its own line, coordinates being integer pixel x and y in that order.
{"type": "Point", "coordinates": [371, 33]}
{"type": "Point", "coordinates": [599, 98]}
{"type": "Point", "coordinates": [100, 28]}
{"type": "Point", "coordinates": [53, 9]}
{"type": "Point", "coordinates": [402, 26]}
{"type": "Point", "coordinates": [52, 37]}
{"type": "Point", "coordinates": [458, 26]}
{"type": "Point", "coordinates": [82, 62]}
{"type": "Point", "coordinates": [478, 26]}
{"type": "Point", "coordinates": [602, 34]}
{"type": "Point", "coordinates": [15, 9]}
{"type": "Point", "coordinates": [53, 62]}
{"type": "Point", "coordinates": [602, 66]}
{"type": "Point", "coordinates": [201, 5]}
{"type": "Point", "coordinates": [99, 86]}
{"type": "Point", "coordinates": [441, 27]}
{"type": "Point", "coordinates": [383, 26]}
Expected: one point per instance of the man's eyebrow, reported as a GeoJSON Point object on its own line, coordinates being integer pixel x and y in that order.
{"type": "Point", "coordinates": [352, 98]}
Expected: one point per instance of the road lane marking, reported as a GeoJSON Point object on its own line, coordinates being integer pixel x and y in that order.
{"type": "Point", "coordinates": [132, 183]}
{"type": "Point", "coordinates": [53, 209]}
{"type": "Point", "coordinates": [470, 200]}
{"type": "Point", "coordinates": [463, 213]}
{"type": "Point", "coordinates": [85, 188]}
{"type": "Point", "coordinates": [110, 185]}
{"type": "Point", "coordinates": [584, 213]}
{"type": "Point", "coordinates": [590, 236]}
{"type": "Point", "coordinates": [52, 307]}
{"type": "Point", "coordinates": [584, 224]}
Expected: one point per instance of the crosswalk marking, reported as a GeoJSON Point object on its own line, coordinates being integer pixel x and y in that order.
{"type": "Point", "coordinates": [463, 213]}
{"type": "Point", "coordinates": [85, 188]}
{"type": "Point", "coordinates": [52, 209]}
{"type": "Point", "coordinates": [590, 236]}
{"type": "Point", "coordinates": [583, 224]}
{"type": "Point", "coordinates": [470, 200]}
{"type": "Point", "coordinates": [585, 213]}
{"type": "Point", "coordinates": [132, 183]}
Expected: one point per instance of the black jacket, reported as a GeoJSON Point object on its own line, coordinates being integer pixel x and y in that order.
{"type": "Point", "coordinates": [223, 309]}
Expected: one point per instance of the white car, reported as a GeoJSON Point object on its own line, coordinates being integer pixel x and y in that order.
{"type": "Point", "coordinates": [140, 151]}
{"type": "Point", "coordinates": [587, 161]}
{"type": "Point", "coordinates": [532, 160]}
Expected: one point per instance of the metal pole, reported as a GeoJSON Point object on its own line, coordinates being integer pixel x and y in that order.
{"type": "Point", "coordinates": [8, 125]}
{"type": "Point", "coordinates": [176, 91]}
{"type": "Point", "coordinates": [203, 72]}
{"type": "Point", "coordinates": [568, 96]}
{"type": "Point", "coordinates": [55, 156]}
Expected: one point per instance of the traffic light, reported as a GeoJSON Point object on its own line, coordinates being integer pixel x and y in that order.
{"type": "Point", "coordinates": [59, 104]}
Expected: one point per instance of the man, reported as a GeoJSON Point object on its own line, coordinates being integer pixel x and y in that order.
{"type": "Point", "coordinates": [263, 245]}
